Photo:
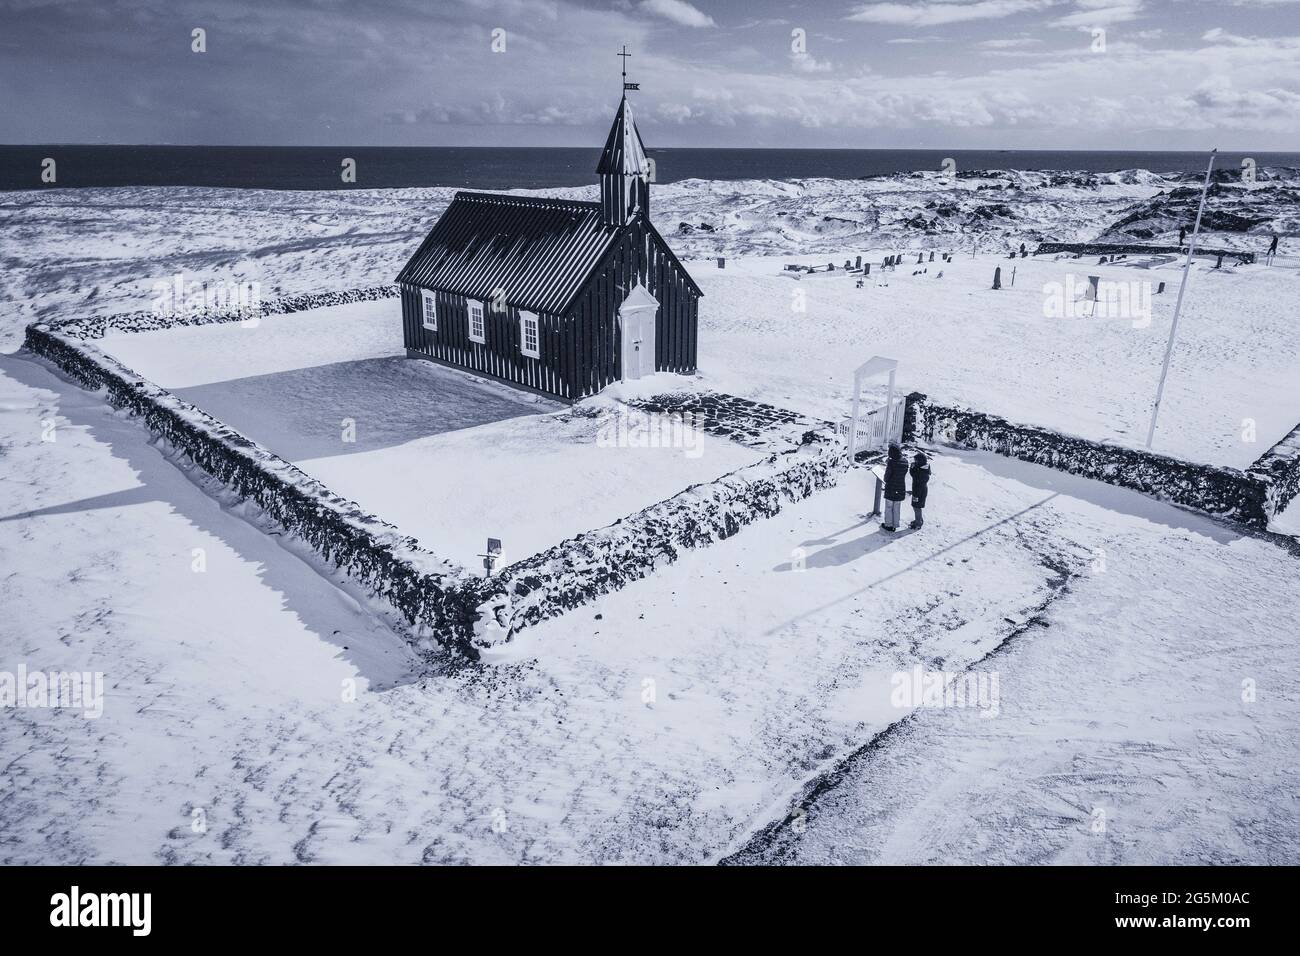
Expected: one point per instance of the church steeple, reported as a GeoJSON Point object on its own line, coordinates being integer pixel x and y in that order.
{"type": "Point", "coordinates": [624, 169]}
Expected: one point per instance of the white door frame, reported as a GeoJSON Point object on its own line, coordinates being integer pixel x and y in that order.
{"type": "Point", "coordinates": [893, 420]}
{"type": "Point", "coordinates": [637, 325]}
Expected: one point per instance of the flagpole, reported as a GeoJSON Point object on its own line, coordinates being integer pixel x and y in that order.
{"type": "Point", "coordinates": [1178, 306]}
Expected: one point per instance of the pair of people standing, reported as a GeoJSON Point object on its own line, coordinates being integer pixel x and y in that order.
{"type": "Point", "coordinates": [896, 473]}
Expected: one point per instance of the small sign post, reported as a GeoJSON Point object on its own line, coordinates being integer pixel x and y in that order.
{"type": "Point", "coordinates": [492, 557]}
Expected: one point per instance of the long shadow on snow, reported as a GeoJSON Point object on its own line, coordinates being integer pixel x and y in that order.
{"type": "Point", "coordinates": [303, 413]}
{"type": "Point", "coordinates": [297, 580]}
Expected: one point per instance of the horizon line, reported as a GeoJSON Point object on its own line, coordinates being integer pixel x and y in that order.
{"type": "Point", "coordinates": [807, 149]}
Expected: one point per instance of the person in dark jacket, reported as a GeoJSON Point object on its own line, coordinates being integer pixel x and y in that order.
{"type": "Point", "coordinates": [895, 487]}
{"type": "Point", "coordinates": [920, 473]}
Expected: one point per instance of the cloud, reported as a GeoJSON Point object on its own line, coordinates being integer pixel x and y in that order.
{"type": "Point", "coordinates": [807, 63]}
{"type": "Point", "coordinates": [678, 11]}
{"type": "Point", "coordinates": [1101, 13]}
{"type": "Point", "coordinates": [938, 12]}
{"type": "Point", "coordinates": [1008, 43]}
{"type": "Point", "coordinates": [289, 79]}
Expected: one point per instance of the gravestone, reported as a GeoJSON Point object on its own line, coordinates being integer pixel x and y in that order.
{"type": "Point", "coordinates": [997, 278]}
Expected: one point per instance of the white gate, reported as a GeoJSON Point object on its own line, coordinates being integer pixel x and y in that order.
{"type": "Point", "coordinates": [874, 428]}
{"type": "Point", "coordinates": [878, 426]}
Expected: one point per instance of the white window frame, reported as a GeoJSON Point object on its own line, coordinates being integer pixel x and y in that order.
{"type": "Point", "coordinates": [533, 319]}
{"type": "Point", "coordinates": [476, 309]}
{"type": "Point", "coordinates": [429, 311]}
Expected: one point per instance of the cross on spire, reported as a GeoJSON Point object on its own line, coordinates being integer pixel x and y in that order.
{"type": "Point", "coordinates": [626, 85]}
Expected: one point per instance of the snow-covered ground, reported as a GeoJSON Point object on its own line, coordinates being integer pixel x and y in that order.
{"type": "Point", "coordinates": [102, 250]}
{"type": "Point", "coordinates": [794, 342]}
{"type": "Point", "coordinates": [671, 720]}
{"type": "Point", "coordinates": [662, 723]}
{"type": "Point", "coordinates": [1002, 352]}
{"type": "Point", "coordinates": [1136, 725]}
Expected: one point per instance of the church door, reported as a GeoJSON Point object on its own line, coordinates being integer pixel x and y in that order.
{"type": "Point", "coordinates": [636, 319]}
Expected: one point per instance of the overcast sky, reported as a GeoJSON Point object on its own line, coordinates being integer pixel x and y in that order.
{"type": "Point", "coordinates": [933, 73]}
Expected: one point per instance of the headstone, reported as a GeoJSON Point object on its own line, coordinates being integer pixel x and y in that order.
{"type": "Point", "coordinates": [997, 278]}
{"type": "Point", "coordinates": [1091, 294]}
{"type": "Point", "coordinates": [932, 255]}
{"type": "Point", "coordinates": [1160, 288]}
{"type": "Point", "coordinates": [722, 263]}
{"type": "Point", "coordinates": [857, 262]}
{"type": "Point", "coordinates": [866, 270]}
{"type": "Point", "coordinates": [920, 257]}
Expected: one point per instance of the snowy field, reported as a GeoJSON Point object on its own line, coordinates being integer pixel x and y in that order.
{"type": "Point", "coordinates": [673, 720]}
{"type": "Point", "coordinates": [663, 723]}
{"type": "Point", "coordinates": [449, 458]}
{"type": "Point", "coordinates": [960, 341]}
{"type": "Point", "coordinates": [794, 342]}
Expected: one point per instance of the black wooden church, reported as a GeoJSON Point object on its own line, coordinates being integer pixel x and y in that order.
{"type": "Point", "coordinates": [552, 295]}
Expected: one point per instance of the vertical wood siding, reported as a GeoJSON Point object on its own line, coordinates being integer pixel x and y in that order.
{"type": "Point", "coordinates": [581, 352]}
{"type": "Point", "coordinates": [500, 356]}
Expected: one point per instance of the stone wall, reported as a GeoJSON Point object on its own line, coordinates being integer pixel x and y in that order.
{"type": "Point", "coordinates": [577, 571]}
{"type": "Point", "coordinates": [1242, 496]}
{"type": "Point", "coordinates": [1280, 467]}
{"type": "Point", "coordinates": [1134, 248]}
{"type": "Point", "coordinates": [97, 327]}
{"type": "Point", "coordinates": [438, 598]}
{"type": "Point", "coordinates": [432, 594]}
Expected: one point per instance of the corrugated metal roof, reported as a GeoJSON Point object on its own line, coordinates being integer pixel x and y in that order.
{"type": "Point", "coordinates": [540, 251]}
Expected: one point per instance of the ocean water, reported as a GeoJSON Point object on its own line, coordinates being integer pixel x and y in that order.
{"type": "Point", "coordinates": [313, 167]}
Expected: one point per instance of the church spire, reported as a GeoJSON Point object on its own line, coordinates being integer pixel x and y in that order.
{"type": "Point", "coordinates": [624, 169]}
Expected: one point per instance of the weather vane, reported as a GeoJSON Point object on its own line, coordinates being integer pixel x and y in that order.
{"type": "Point", "coordinates": [626, 85]}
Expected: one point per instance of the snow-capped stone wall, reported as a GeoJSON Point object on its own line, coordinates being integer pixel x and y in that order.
{"type": "Point", "coordinates": [429, 592]}
{"type": "Point", "coordinates": [755, 424]}
{"type": "Point", "coordinates": [97, 327]}
{"type": "Point", "coordinates": [1280, 467]}
{"type": "Point", "coordinates": [1219, 491]}
{"type": "Point", "coordinates": [578, 570]}
{"type": "Point", "coordinates": [1133, 249]}
{"type": "Point", "coordinates": [440, 599]}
